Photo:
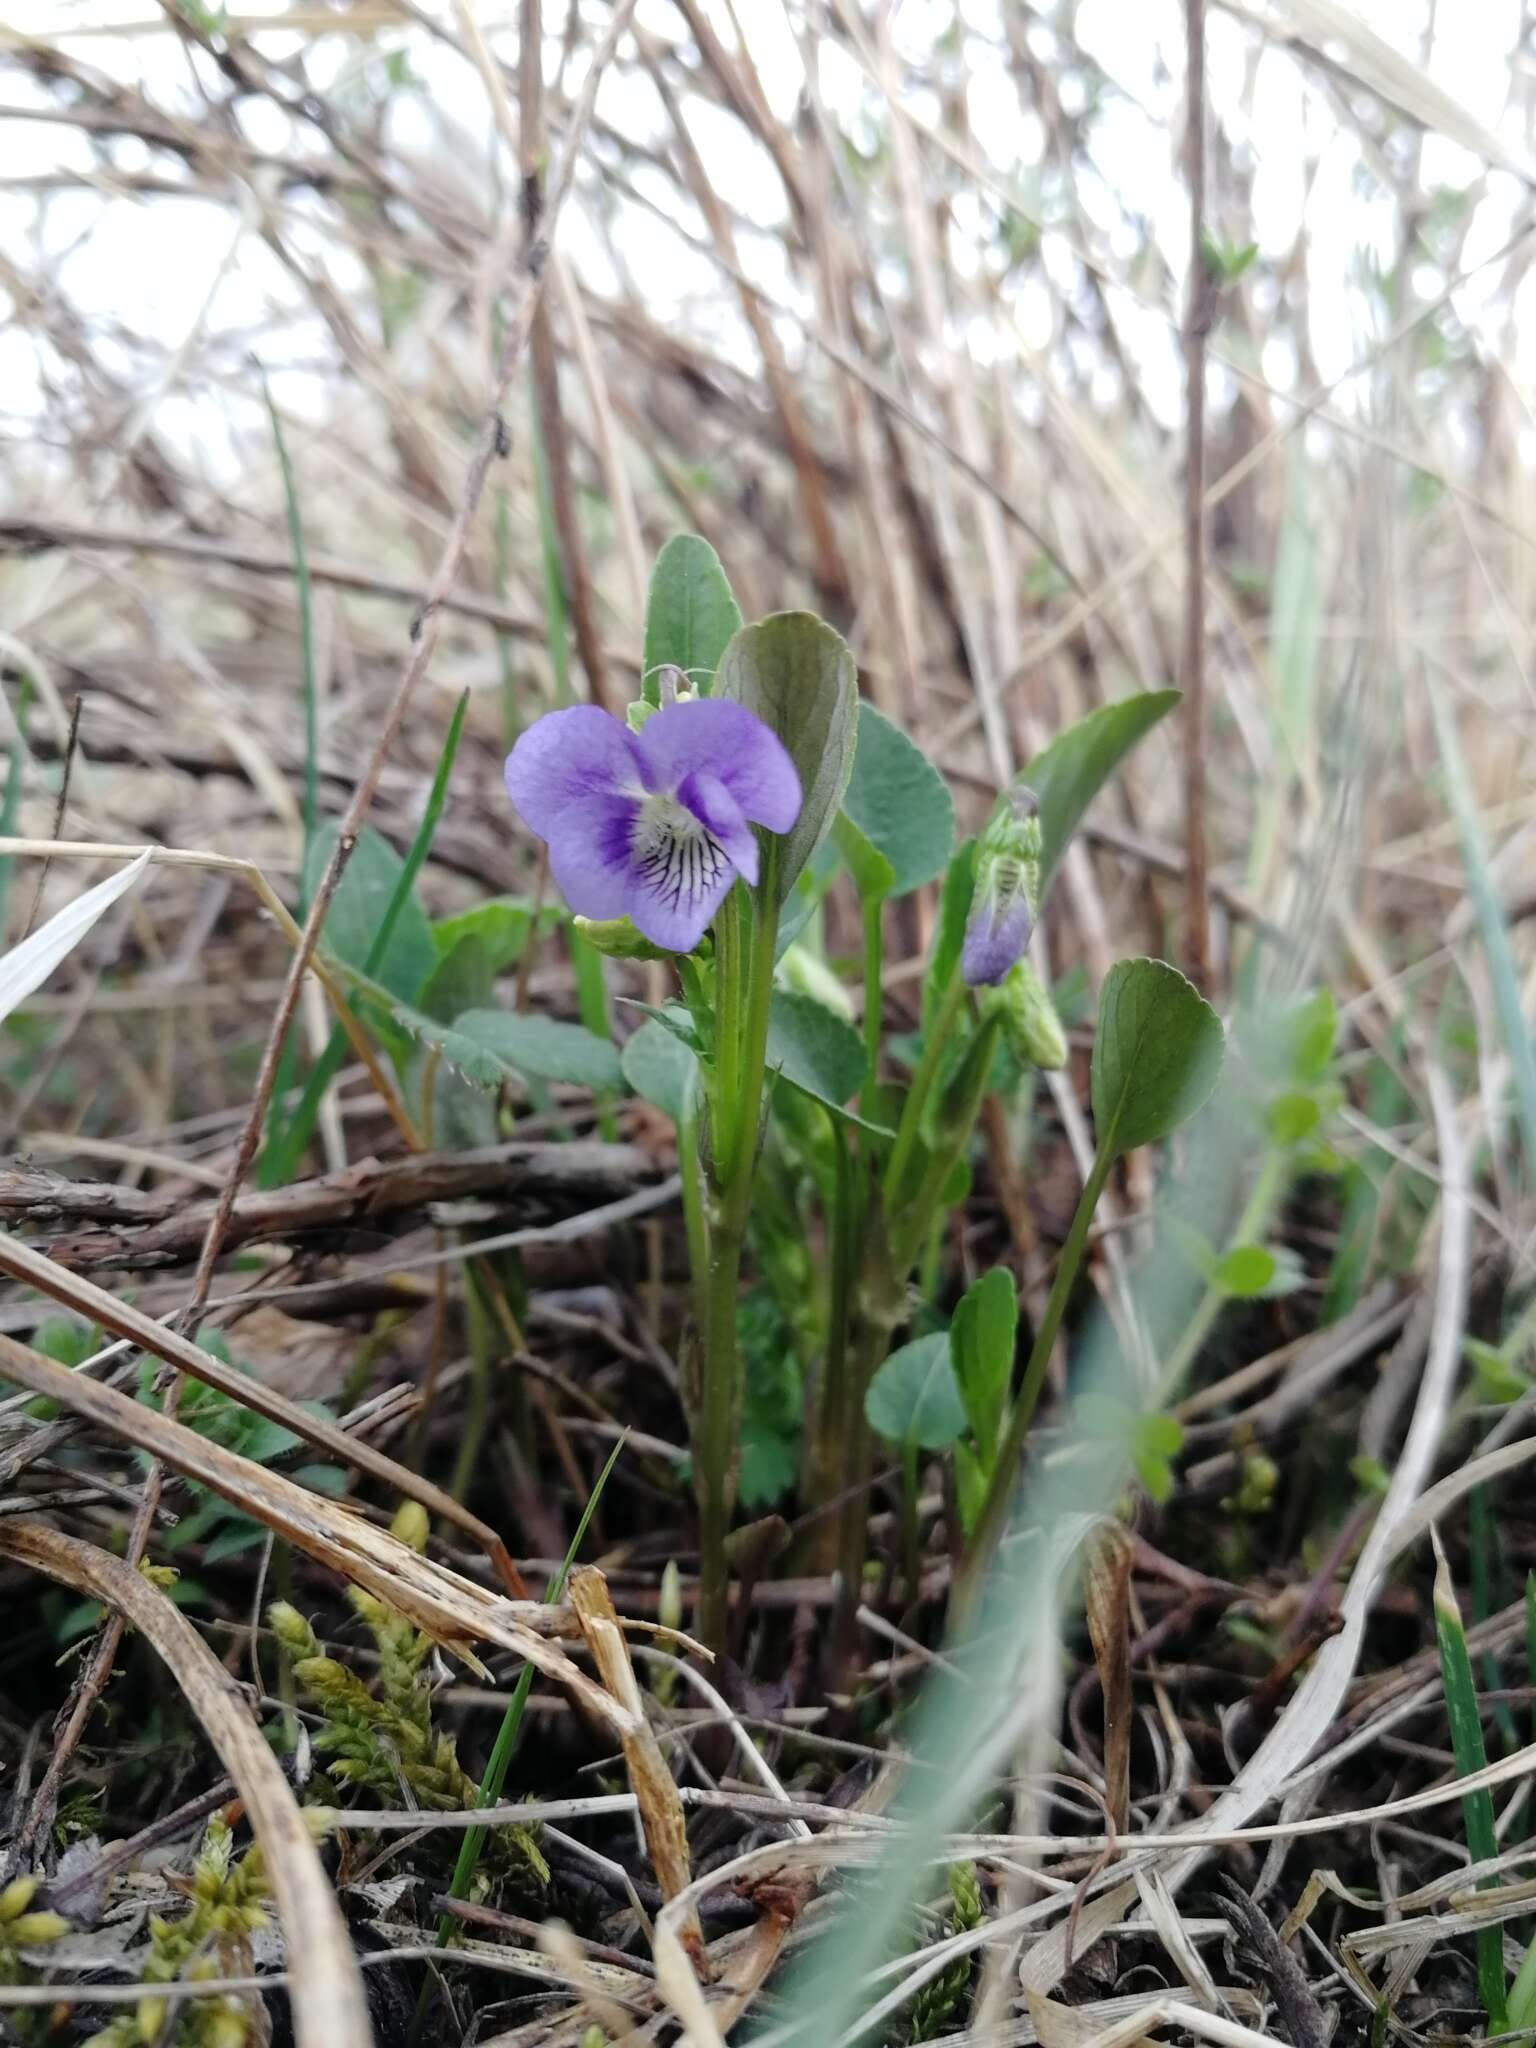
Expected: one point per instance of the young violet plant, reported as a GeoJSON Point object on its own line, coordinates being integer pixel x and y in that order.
{"type": "Point", "coordinates": [706, 829]}
{"type": "Point", "coordinates": [702, 819]}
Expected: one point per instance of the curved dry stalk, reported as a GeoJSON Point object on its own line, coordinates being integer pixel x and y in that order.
{"type": "Point", "coordinates": [454, 1610]}
{"type": "Point", "coordinates": [1320, 1694]}
{"type": "Point", "coordinates": [330, 2009]}
{"type": "Point", "coordinates": [230, 864]}
{"type": "Point", "coordinates": [22, 1263]}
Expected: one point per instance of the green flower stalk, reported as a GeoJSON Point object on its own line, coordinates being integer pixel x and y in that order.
{"type": "Point", "coordinates": [670, 822]}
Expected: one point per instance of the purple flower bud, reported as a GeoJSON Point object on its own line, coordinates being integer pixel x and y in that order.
{"type": "Point", "coordinates": [1007, 893]}
{"type": "Point", "coordinates": [654, 826]}
{"type": "Point", "coordinates": [1001, 921]}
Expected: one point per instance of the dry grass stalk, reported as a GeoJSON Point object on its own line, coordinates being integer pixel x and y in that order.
{"type": "Point", "coordinates": [22, 1263]}
{"type": "Point", "coordinates": [330, 2009]}
{"type": "Point", "coordinates": [661, 1811]}
{"type": "Point", "coordinates": [451, 1609]}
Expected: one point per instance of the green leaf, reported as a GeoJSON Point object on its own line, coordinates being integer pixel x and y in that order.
{"type": "Point", "coordinates": [1292, 1045]}
{"type": "Point", "coordinates": [1076, 765]}
{"type": "Point", "coordinates": [542, 1048]}
{"type": "Point", "coordinates": [769, 1466]}
{"type": "Point", "coordinates": [1245, 1271]}
{"type": "Point", "coordinates": [362, 896]}
{"type": "Point", "coordinates": [981, 1342]}
{"type": "Point", "coordinates": [463, 979]}
{"type": "Point", "coordinates": [659, 1068]}
{"type": "Point", "coordinates": [949, 940]}
{"type": "Point", "coordinates": [690, 615]}
{"type": "Point", "coordinates": [1498, 1379]}
{"type": "Point", "coordinates": [1294, 1116]}
{"type": "Point", "coordinates": [814, 1048]}
{"type": "Point", "coordinates": [898, 800]}
{"type": "Point", "coordinates": [502, 924]}
{"type": "Point", "coordinates": [798, 676]}
{"type": "Point", "coordinates": [970, 1485]}
{"type": "Point", "coordinates": [914, 1397]}
{"type": "Point", "coordinates": [492, 1047]}
{"type": "Point", "coordinates": [1156, 1055]}
{"type": "Point", "coordinates": [873, 875]}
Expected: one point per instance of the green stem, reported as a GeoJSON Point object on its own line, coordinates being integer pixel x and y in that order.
{"type": "Point", "coordinates": [695, 1213]}
{"type": "Point", "coordinates": [912, 1109]}
{"type": "Point", "coordinates": [874, 961]}
{"type": "Point", "coordinates": [831, 1419]}
{"type": "Point", "coordinates": [744, 940]}
{"type": "Point", "coordinates": [482, 1354]}
{"type": "Point", "coordinates": [910, 1546]}
{"type": "Point", "coordinates": [507, 1737]}
{"type": "Point", "coordinates": [1251, 1224]}
{"type": "Point", "coordinates": [715, 1444]}
{"type": "Point", "coordinates": [1000, 1484]}
{"type": "Point", "coordinates": [870, 1345]}
{"type": "Point", "coordinates": [1464, 1716]}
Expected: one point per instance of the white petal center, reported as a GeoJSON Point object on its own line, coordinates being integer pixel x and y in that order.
{"type": "Point", "coordinates": [674, 854]}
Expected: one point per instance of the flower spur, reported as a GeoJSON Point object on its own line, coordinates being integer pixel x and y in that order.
{"type": "Point", "coordinates": [654, 826]}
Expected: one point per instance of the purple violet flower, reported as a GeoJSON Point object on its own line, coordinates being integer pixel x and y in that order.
{"type": "Point", "coordinates": [654, 826]}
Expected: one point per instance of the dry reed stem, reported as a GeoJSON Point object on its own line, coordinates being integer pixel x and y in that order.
{"type": "Point", "coordinates": [326, 1989]}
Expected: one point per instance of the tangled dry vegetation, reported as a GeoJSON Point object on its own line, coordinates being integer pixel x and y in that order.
{"type": "Point", "coordinates": [868, 297]}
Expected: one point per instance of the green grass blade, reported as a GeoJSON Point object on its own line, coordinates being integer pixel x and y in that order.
{"type": "Point", "coordinates": [1465, 1718]}
{"type": "Point", "coordinates": [1486, 1596]}
{"type": "Point", "coordinates": [306, 626]}
{"type": "Point", "coordinates": [508, 1735]}
{"type": "Point", "coordinates": [283, 1153]}
{"type": "Point", "coordinates": [555, 616]}
{"type": "Point", "coordinates": [1491, 923]}
{"type": "Point", "coordinates": [593, 1009]}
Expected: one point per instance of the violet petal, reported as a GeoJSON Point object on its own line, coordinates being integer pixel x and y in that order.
{"type": "Point", "coordinates": [568, 757]}
{"type": "Point", "coordinates": [731, 742]}
{"type": "Point", "coordinates": [590, 854]}
{"type": "Point", "coordinates": [678, 879]}
{"type": "Point", "coordinates": [996, 938]}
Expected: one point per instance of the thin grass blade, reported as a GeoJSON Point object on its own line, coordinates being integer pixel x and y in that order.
{"type": "Point", "coordinates": [282, 1157]}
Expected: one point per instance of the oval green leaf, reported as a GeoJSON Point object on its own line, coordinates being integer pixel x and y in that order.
{"type": "Point", "coordinates": [798, 676]}
{"type": "Point", "coordinates": [899, 802]}
{"type": "Point", "coordinates": [690, 615]}
{"type": "Point", "coordinates": [543, 1048]}
{"type": "Point", "coordinates": [814, 1047]}
{"type": "Point", "coordinates": [981, 1342]}
{"type": "Point", "coordinates": [363, 895]}
{"type": "Point", "coordinates": [659, 1068]}
{"type": "Point", "coordinates": [915, 1399]}
{"type": "Point", "coordinates": [1156, 1055]}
